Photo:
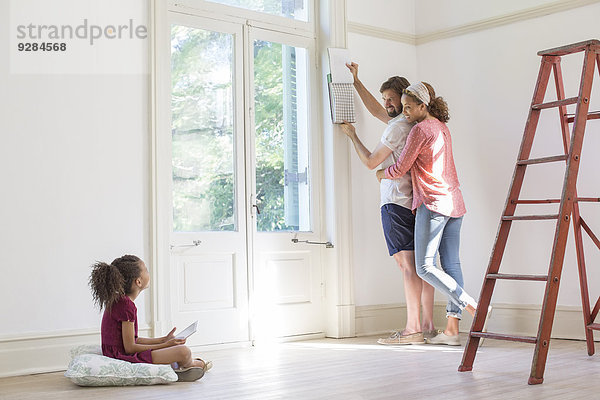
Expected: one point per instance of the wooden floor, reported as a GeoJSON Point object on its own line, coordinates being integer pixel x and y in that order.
{"type": "Point", "coordinates": [351, 369]}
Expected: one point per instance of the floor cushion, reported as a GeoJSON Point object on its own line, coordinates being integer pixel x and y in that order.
{"type": "Point", "coordinates": [92, 369]}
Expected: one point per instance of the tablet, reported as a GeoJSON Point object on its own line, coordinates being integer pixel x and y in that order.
{"type": "Point", "coordinates": [187, 332]}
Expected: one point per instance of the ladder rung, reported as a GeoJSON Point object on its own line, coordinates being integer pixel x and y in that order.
{"type": "Point", "coordinates": [518, 277]}
{"type": "Point", "coordinates": [529, 217]}
{"type": "Point", "coordinates": [592, 115]}
{"type": "Point", "coordinates": [588, 199]}
{"type": "Point", "coordinates": [557, 103]}
{"type": "Point", "coordinates": [548, 201]}
{"type": "Point", "coordinates": [542, 160]}
{"type": "Point", "coordinates": [501, 336]}
{"type": "Point", "coordinates": [535, 201]}
{"type": "Point", "coordinates": [594, 327]}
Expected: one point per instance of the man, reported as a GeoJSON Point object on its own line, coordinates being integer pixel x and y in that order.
{"type": "Point", "coordinates": [396, 200]}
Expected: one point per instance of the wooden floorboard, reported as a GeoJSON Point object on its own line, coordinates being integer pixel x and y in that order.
{"type": "Point", "coordinates": [352, 369]}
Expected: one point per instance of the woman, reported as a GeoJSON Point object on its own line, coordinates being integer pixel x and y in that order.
{"type": "Point", "coordinates": [437, 200]}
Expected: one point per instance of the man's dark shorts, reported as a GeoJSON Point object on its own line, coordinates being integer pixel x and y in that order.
{"type": "Point", "coordinates": [398, 227]}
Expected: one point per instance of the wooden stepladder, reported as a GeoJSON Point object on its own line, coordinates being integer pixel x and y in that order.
{"type": "Point", "coordinates": [568, 210]}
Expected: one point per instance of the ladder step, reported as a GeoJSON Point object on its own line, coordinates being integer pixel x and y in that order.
{"type": "Point", "coordinates": [588, 199]}
{"type": "Point", "coordinates": [592, 115]}
{"type": "Point", "coordinates": [541, 160]}
{"type": "Point", "coordinates": [549, 201]}
{"type": "Point", "coordinates": [529, 217]}
{"type": "Point", "coordinates": [501, 336]}
{"type": "Point", "coordinates": [557, 103]}
{"type": "Point", "coordinates": [594, 327]}
{"type": "Point", "coordinates": [517, 277]}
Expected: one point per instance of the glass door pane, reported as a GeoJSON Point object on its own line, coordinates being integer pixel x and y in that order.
{"type": "Point", "coordinates": [202, 105]}
{"type": "Point", "coordinates": [281, 137]}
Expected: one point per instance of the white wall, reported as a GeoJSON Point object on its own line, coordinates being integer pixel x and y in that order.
{"type": "Point", "coordinates": [396, 15]}
{"type": "Point", "coordinates": [487, 76]}
{"type": "Point", "coordinates": [435, 15]}
{"type": "Point", "coordinates": [75, 178]}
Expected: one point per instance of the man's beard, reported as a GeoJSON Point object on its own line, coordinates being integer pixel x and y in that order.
{"type": "Point", "coordinates": [394, 113]}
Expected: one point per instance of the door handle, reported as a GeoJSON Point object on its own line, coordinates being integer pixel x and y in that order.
{"type": "Point", "coordinates": [195, 243]}
{"type": "Point", "coordinates": [253, 202]}
{"type": "Point", "coordinates": [328, 245]}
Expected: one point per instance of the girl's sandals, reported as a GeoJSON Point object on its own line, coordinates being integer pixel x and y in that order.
{"type": "Point", "coordinates": [207, 364]}
{"type": "Point", "coordinates": [191, 374]}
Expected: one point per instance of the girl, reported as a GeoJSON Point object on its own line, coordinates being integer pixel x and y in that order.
{"type": "Point", "coordinates": [114, 287]}
{"type": "Point", "coordinates": [437, 200]}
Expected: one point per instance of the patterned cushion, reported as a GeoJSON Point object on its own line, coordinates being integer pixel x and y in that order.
{"type": "Point", "coordinates": [98, 370]}
{"type": "Point", "coordinates": [85, 349]}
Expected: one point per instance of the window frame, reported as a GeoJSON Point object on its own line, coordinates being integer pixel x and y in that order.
{"type": "Point", "coordinates": [254, 18]}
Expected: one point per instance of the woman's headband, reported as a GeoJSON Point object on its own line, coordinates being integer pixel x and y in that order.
{"type": "Point", "coordinates": [420, 91]}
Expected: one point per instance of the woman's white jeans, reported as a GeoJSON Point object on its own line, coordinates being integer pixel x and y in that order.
{"type": "Point", "coordinates": [436, 232]}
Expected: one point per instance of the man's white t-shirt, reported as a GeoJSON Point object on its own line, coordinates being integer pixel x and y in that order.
{"type": "Point", "coordinates": [396, 191]}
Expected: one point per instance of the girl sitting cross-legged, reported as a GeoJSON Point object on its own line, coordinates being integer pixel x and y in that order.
{"type": "Point", "coordinates": [114, 287]}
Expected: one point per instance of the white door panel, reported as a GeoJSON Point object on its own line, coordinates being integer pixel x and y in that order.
{"type": "Point", "coordinates": [211, 288]}
{"type": "Point", "coordinates": [206, 282]}
{"type": "Point", "coordinates": [288, 295]}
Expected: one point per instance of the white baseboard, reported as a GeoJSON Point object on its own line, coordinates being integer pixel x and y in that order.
{"type": "Point", "coordinates": [384, 318]}
{"type": "Point", "coordinates": [47, 352]}
{"type": "Point", "coordinates": [520, 320]}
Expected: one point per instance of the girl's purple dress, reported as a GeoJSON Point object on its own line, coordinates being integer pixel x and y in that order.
{"type": "Point", "coordinates": [112, 332]}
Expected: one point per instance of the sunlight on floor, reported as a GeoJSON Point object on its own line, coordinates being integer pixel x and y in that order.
{"type": "Point", "coordinates": [344, 345]}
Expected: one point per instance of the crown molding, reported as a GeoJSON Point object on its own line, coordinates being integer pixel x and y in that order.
{"type": "Point", "coordinates": [476, 26]}
{"type": "Point", "coordinates": [381, 33]}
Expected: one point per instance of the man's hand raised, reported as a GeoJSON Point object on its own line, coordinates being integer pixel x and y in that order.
{"type": "Point", "coordinates": [353, 67]}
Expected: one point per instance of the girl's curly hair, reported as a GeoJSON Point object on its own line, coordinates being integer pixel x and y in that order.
{"type": "Point", "coordinates": [109, 282]}
{"type": "Point", "coordinates": [437, 105]}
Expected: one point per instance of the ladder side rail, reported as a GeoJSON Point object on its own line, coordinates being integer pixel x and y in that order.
{"type": "Point", "coordinates": [596, 309]}
{"type": "Point", "coordinates": [581, 266]}
{"type": "Point", "coordinates": [562, 110]}
{"type": "Point", "coordinates": [583, 281]}
{"type": "Point", "coordinates": [509, 210]}
{"type": "Point", "coordinates": [563, 223]}
{"type": "Point", "coordinates": [588, 230]}
{"type": "Point", "coordinates": [590, 233]}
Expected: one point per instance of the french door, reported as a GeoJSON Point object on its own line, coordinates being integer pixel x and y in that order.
{"type": "Point", "coordinates": [282, 170]}
{"type": "Point", "coordinates": [241, 183]}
